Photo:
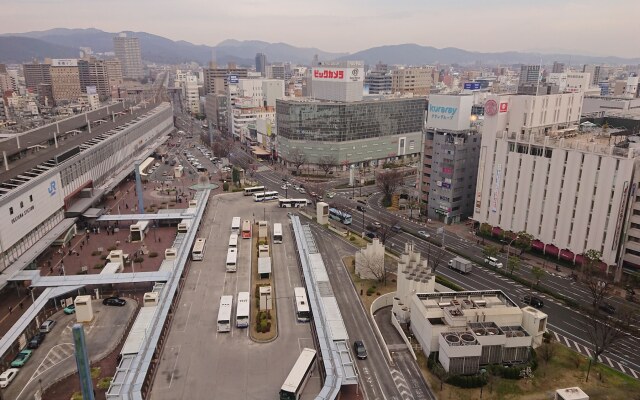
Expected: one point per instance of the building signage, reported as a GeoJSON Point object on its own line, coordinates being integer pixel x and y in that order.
{"type": "Point", "coordinates": [472, 86]}
{"type": "Point", "coordinates": [621, 210]}
{"type": "Point", "coordinates": [504, 107]}
{"type": "Point", "coordinates": [22, 214]}
{"type": "Point", "coordinates": [490, 108]}
{"type": "Point", "coordinates": [64, 62]}
{"type": "Point", "coordinates": [338, 74]}
{"type": "Point", "coordinates": [441, 112]}
{"type": "Point", "coordinates": [449, 112]}
{"type": "Point", "coordinates": [233, 79]}
{"type": "Point", "coordinates": [496, 190]}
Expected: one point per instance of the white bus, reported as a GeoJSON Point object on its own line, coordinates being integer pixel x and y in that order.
{"type": "Point", "coordinates": [184, 225]}
{"type": "Point", "coordinates": [277, 233]}
{"type": "Point", "coordinates": [251, 190]}
{"type": "Point", "coordinates": [232, 260]}
{"type": "Point", "coordinates": [224, 314]}
{"type": "Point", "coordinates": [265, 196]}
{"type": "Point", "coordinates": [235, 225]}
{"type": "Point", "coordinates": [233, 240]}
{"type": "Point", "coordinates": [341, 216]}
{"type": "Point", "coordinates": [242, 311]}
{"type": "Point", "coordinates": [303, 312]}
{"type": "Point", "coordinates": [299, 375]}
{"type": "Point", "coordinates": [289, 203]}
{"type": "Point", "coordinates": [197, 254]}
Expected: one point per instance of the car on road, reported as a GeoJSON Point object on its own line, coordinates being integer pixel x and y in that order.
{"type": "Point", "coordinates": [284, 187]}
{"type": "Point", "coordinates": [424, 234]}
{"type": "Point", "coordinates": [7, 376]}
{"type": "Point", "coordinates": [302, 190]}
{"type": "Point", "coordinates": [371, 235]}
{"type": "Point", "coordinates": [70, 309]}
{"type": "Point", "coordinates": [359, 349]}
{"type": "Point", "coordinates": [331, 195]}
{"type": "Point", "coordinates": [21, 358]}
{"type": "Point", "coordinates": [377, 224]}
{"type": "Point", "coordinates": [313, 194]}
{"type": "Point", "coordinates": [533, 301]}
{"type": "Point", "coordinates": [396, 228]}
{"type": "Point", "coordinates": [360, 208]}
{"type": "Point", "coordinates": [114, 301]}
{"type": "Point", "coordinates": [35, 341]}
{"type": "Point", "coordinates": [607, 307]}
{"type": "Point", "coordinates": [47, 326]}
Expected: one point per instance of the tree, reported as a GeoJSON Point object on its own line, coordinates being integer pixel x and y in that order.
{"type": "Point", "coordinates": [547, 351]}
{"type": "Point", "coordinates": [485, 229]}
{"type": "Point", "coordinates": [297, 158]}
{"type": "Point", "coordinates": [375, 266]}
{"type": "Point", "coordinates": [388, 181]}
{"type": "Point", "coordinates": [435, 256]}
{"type": "Point", "coordinates": [490, 251]}
{"type": "Point", "coordinates": [385, 232]}
{"type": "Point", "coordinates": [598, 288]}
{"type": "Point", "coordinates": [327, 162]}
{"type": "Point", "coordinates": [235, 176]}
{"type": "Point", "coordinates": [538, 273]}
{"type": "Point", "coordinates": [513, 263]}
{"type": "Point", "coordinates": [523, 240]}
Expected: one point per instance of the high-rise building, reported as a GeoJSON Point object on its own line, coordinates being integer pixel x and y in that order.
{"type": "Point", "coordinates": [261, 63]}
{"type": "Point", "coordinates": [412, 80]}
{"type": "Point", "coordinates": [529, 75]}
{"type": "Point", "coordinates": [557, 68]}
{"type": "Point", "coordinates": [114, 75]}
{"type": "Point", "coordinates": [448, 170]}
{"type": "Point", "coordinates": [341, 81]}
{"type": "Point", "coordinates": [127, 50]}
{"type": "Point", "coordinates": [36, 73]}
{"type": "Point", "coordinates": [216, 79]}
{"type": "Point", "coordinates": [188, 83]}
{"type": "Point", "coordinates": [594, 70]}
{"type": "Point", "coordinates": [65, 80]}
{"type": "Point", "coordinates": [93, 72]}
{"type": "Point", "coordinates": [378, 81]}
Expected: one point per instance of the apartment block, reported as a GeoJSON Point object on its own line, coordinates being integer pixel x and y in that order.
{"type": "Point", "coordinates": [217, 79]}
{"type": "Point", "coordinates": [127, 50]}
{"type": "Point", "coordinates": [36, 73]}
{"type": "Point", "coordinates": [412, 80]}
{"type": "Point", "coordinates": [65, 80]}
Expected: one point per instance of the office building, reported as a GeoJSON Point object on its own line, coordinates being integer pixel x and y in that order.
{"type": "Point", "coordinates": [65, 81]}
{"type": "Point", "coordinates": [362, 133]}
{"type": "Point", "coordinates": [261, 63]}
{"type": "Point", "coordinates": [571, 81]}
{"type": "Point", "coordinates": [412, 80]}
{"type": "Point", "coordinates": [378, 82]}
{"type": "Point", "coordinates": [93, 73]}
{"type": "Point", "coordinates": [557, 67]}
{"type": "Point", "coordinates": [216, 79]}
{"type": "Point", "coordinates": [449, 167]}
{"type": "Point", "coordinates": [36, 73]}
{"type": "Point", "coordinates": [188, 84]}
{"type": "Point", "coordinates": [571, 189]}
{"type": "Point", "coordinates": [114, 75]}
{"type": "Point", "coordinates": [594, 71]}
{"type": "Point", "coordinates": [529, 75]}
{"type": "Point", "coordinates": [340, 81]}
{"type": "Point", "coordinates": [127, 50]}
{"type": "Point", "coordinates": [216, 108]}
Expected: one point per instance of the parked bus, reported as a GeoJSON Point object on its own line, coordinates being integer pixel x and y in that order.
{"type": "Point", "coordinates": [303, 312]}
{"type": "Point", "coordinates": [184, 225]}
{"type": "Point", "coordinates": [341, 216]}
{"type": "Point", "coordinates": [224, 314]}
{"type": "Point", "coordinates": [235, 225]}
{"type": "Point", "coordinates": [289, 203]}
{"type": "Point", "coordinates": [232, 260]}
{"type": "Point", "coordinates": [197, 254]}
{"type": "Point", "coordinates": [242, 311]}
{"type": "Point", "coordinates": [299, 375]}
{"type": "Point", "coordinates": [277, 233]}
{"type": "Point", "coordinates": [255, 189]}
{"type": "Point", "coordinates": [233, 240]}
{"type": "Point", "coordinates": [246, 229]}
{"type": "Point", "coordinates": [265, 196]}
{"type": "Point", "coordinates": [138, 231]}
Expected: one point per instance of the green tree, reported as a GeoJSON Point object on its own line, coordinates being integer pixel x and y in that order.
{"type": "Point", "coordinates": [538, 273]}
{"type": "Point", "coordinates": [235, 176]}
{"type": "Point", "coordinates": [485, 229]}
{"type": "Point", "coordinates": [523, 241]}
{"type": "Point", "coordinates": [490, 250]}
{"type": "Point", "coordinates": [513, 263]}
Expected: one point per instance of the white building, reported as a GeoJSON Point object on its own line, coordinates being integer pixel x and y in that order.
{"type": "Point", "coordinates": [343, 81]}
{"type": "Point", "coordinates": [571, 81]}
{"type": "Point", "coordinates": [189, 85]}
{"type": "Point", "coordinates": [539, 174]}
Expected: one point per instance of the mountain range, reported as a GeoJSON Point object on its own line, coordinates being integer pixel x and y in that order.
{"type": "Point", "coordinates": [65, 43]}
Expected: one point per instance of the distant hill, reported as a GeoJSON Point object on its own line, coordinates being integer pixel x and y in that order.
{"type": "Point", "coordinates": [63, 43]}
{"type": "Point", "coordinates": [414, 54]}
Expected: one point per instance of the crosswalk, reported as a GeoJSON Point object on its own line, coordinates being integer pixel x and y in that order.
{"type": "Point", "coordinates": [582, 349]}
{"type": "Point", "coordinates": [56, 355]}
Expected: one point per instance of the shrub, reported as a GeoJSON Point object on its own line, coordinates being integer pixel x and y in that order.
{"type": "Point", "coordinates": [98, 266]}
{"type": "Point", "coordinates": [82, 273]}
{"type": "Point", "coordinates": [264, 326]}
{"type": "Point", "coordinates": [153, 254]}
{"type": "Point", "coordinates": [95, 372]}
{"type": "Point", "coordinates": [445, 282]}
{"type": "Point", "coordinates": [352, 238]}
{"type": "Point", "coordinates": [377, 293]}
{"type": "Point", "coordinates": [138, 259]}
{"type": "Point", "coordinates": [104, 383]}
{"type": "Point", "coordinates": [371, 291]}
{"type": "Point", "coordinates": [467, 381]}
{"type": "Point", "coordinates": [76, 396]}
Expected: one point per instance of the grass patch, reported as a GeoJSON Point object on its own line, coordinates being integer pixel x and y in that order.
{"type": "Point", "coordinates": [104, 383]}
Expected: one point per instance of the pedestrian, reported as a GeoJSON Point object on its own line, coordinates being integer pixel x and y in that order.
{"type": "Point", "coordinates": [50, 269]}
{"type": "Point", "coordinates": [10, 309]}
{"type": "Point", "coordinates": [21, 306]}
{"type": "Point", "coordinates": [80, 247]}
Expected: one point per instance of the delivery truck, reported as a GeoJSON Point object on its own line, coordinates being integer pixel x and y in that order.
{"type": "Point", "coordinates": [461, 265]}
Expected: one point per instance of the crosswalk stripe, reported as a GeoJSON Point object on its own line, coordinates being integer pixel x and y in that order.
{"type": "Point", "coordinates": [633, 373]}
{"type": "Point", "coordinates": [609, 362]}
{"type": "Point", "coordinates": [567, 341]}
{"type": "Point", "coordinates": [557, 336]}
{"type": "Point", "coordinates": [621, 366]}
{"type": "Point", "coordinates": [588, 351]}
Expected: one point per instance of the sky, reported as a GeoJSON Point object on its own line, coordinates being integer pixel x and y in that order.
{"type": "Point", "coordinates": [587, 27]}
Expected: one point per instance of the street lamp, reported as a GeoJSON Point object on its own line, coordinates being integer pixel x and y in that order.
{"type": "Point", "coordinates": [509, 248]}
{"type": "Point", "coordinates": [363, 210]}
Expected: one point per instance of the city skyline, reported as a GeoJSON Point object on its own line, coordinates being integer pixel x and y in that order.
{"type": "Point", "coordinates": [330, 25]}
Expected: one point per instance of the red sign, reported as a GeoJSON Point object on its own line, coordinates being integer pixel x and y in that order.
{"type": "Point", "coordinates": [490, 107]}
{"type": "Point", "coordinates": [328, 74]}
{"type": "Point", "coordinates": [504, 107]}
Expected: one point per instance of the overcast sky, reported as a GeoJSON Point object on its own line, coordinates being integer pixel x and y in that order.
{"type": "Point", "coordinates": [576, 26]}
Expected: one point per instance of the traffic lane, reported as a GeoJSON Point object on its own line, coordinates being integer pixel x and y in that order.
{"type": "Point", "coordinates": [374, 375]}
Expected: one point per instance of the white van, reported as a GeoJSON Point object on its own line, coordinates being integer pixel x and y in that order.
{"type": "Point", "coordinates": [493, 262]}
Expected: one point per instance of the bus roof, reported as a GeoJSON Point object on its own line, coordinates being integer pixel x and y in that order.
{"type": "Point", "coordinates": [299, 370]}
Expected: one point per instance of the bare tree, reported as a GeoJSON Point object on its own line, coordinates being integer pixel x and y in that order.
{"type": "Point", "coordinates": [385, 232]}
{"type": "Point", "coordinates": [598, 288]}
{"type": "Point", "coordinates": [327, 162]}
{"type": "Point", "coordinates": [547, 351]}
{"type": "Point", "coordinates": [297, 158]}
{"type": "Point", "coordinates": [373, 266]}
{"type": "Point", "coordinates": [318, 188]}
{"type": "Point", "coordinates": [513, 263]}
{"type": "Point", "coordinates": [435, 256]}
{"type": "Point", "coordinates": [388, 182]}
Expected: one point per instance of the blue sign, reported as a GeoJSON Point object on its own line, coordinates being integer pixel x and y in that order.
{"type": "Point", "coordinates": [441, 112]}
{"type": "Point", "coordinates": [233, 79]}
{"type": "Point", "coordinates": [52, 188]}
{"type": "Point", "coordinates": [472, 86]}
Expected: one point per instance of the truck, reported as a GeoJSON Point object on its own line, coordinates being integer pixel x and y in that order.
{"type": "Point", "coordinates": [461, 265]}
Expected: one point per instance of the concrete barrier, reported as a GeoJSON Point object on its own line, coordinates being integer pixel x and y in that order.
{"type": "Point", "coordinates": [383, 301]}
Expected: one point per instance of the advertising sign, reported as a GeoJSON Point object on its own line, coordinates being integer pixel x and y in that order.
{"type": "Point", "coordinates": [64, 62]}
{"type": "Point", "coordinates": [450, 112]}
{"type": "Point", "coordinates": [496, 190]}
{"type": "Point", "coordinates": [233, 79]}
{"type": "Point", "coordinates": [338, 74]}
{"type": "Point", "coordinates": [92, 90]}
{"type": "Point", "coordinates": [504, 107]}
{"type": "Point", "coordinates": [472, 86]}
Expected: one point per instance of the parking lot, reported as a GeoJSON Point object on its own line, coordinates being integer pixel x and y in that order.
{"type": "Point", "coordinates": [197, 360]}
{"type": "Point", "coordinates": [54, 358]}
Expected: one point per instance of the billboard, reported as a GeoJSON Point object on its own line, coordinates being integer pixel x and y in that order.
{"type": "Point", "coordinates": [449, 112]}
{"type": "Point", "coordinates": [338, 74]}
{"type": "Point", "coordinates": [233, 79]}
{"type": "Point", "coordinates": [64, 62]}
{"type": "Point", "coordinates": [472, 86]}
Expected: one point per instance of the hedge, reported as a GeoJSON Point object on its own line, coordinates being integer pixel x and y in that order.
{"type": "Point", "coordinates": [445, 282]}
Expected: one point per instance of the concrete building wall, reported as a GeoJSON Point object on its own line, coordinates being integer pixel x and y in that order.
{"type": "Point", "coordinates": [65, 84]}
{"type": "Point", "coordinates": [412, 80]}
{"type": "Point", "coordinates": [127, 50]}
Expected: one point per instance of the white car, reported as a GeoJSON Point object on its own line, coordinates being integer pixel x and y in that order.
{"type": "Point", "coordinates": [284, 187]}
{"type": "Point", "coordinates": [301, 190]}
{"type": "Point", "coordinates": [7, 376]}
{"type": "Point", "coordinates": [424, 234]}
